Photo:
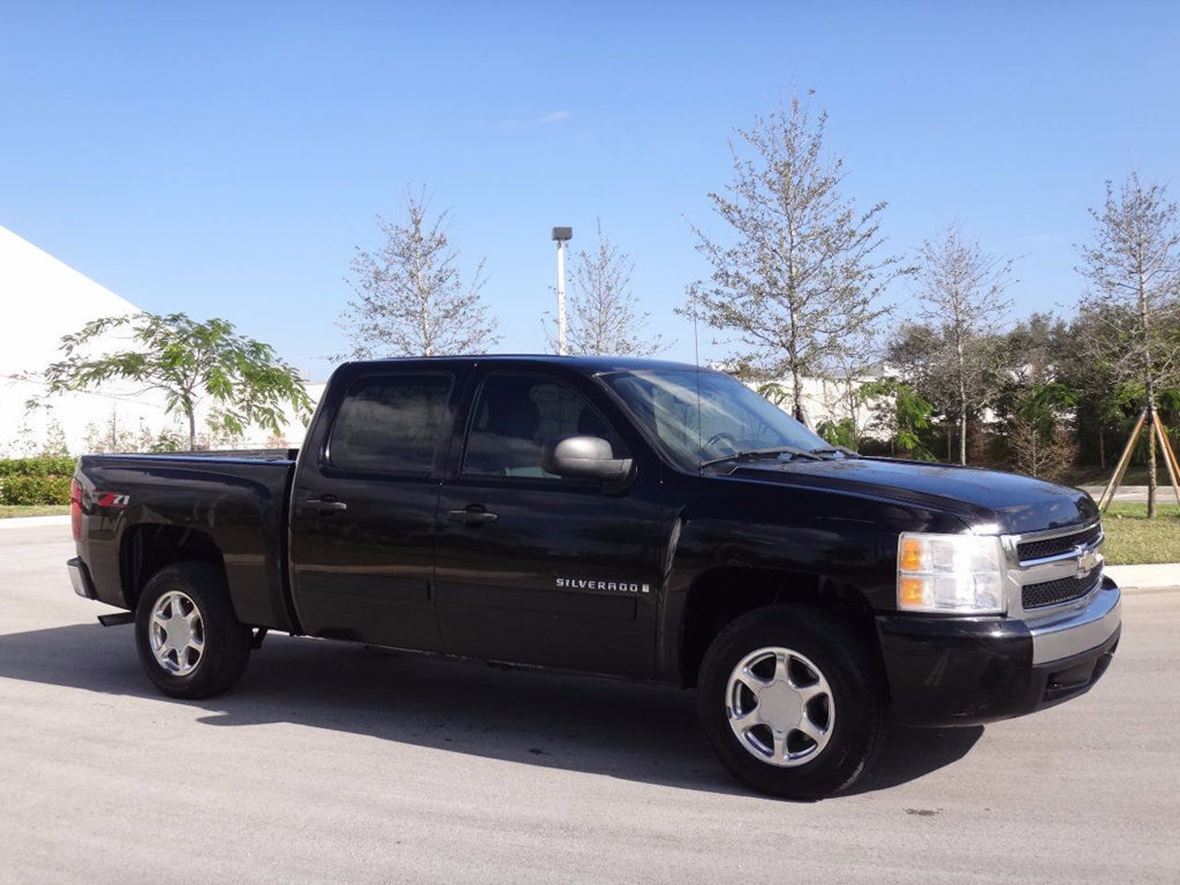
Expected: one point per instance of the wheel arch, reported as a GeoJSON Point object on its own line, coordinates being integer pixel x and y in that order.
{"type": "Point", "coordinates": [722, 594]}
{"type": "Point", "coordinates": [145, 548]}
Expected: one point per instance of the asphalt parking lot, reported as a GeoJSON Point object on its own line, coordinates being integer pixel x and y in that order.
{"type": "Point", "coordinates": [333, 762]}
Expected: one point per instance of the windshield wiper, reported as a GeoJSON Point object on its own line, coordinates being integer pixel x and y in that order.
{"type": "Point", "coordinates": [754, 454]}
{"type": "Point", "coordinates": [834, 450]}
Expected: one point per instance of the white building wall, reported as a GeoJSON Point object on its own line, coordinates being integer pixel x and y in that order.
{"type": "Point", "coordinates": [823, 400]}
{"type": "Point", "coordinates": [43, 299]}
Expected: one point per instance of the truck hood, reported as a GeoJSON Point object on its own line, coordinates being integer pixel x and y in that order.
{"type": "Point", "coordinates": [1009, 501]}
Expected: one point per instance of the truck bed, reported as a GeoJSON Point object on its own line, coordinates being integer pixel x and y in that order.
{"type": "Point", "coordinates": [137, 507]}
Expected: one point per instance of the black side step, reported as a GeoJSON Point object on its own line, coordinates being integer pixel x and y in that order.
{"type": "Point", "coordinates": [116, 619]}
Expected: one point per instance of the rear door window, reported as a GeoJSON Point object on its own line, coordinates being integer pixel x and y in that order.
{"type": "Point", "coordinates": [390, 424]}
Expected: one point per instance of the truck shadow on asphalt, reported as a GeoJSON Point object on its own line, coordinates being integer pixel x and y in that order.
{"type": "Point", "coordinates": [638, 732]}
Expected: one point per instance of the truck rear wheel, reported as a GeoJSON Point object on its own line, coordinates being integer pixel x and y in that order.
{"type": "Point", "coordinates": [190, 642]}
{"type": "Point", "coordinates": [787, 699]}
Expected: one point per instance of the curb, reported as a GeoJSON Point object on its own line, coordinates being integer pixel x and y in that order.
{"type": "Point", "coordinates": [28, 522]}
{"type": "Point", "coordinates": [1145, 577]}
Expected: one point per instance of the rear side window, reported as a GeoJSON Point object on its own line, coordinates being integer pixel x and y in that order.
{"type": "Point", "coordinates": [390, 424]}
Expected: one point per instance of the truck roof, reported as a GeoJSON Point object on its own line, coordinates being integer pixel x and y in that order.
{"type": "Point", "coordinates": [590, 364]}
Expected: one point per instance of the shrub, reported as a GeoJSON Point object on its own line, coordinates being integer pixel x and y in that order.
{"type": "Point", "coordinates": [44, 466]}
{"type": "Point", "coordinates": [880, 447]}
{"type": "Point", "coordinates": [28, 490]}
{"type": "Point", "coordinates": [43, 480]}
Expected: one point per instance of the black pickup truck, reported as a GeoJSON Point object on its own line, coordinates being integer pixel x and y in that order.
{"type": "Point", "coordinates": [627, 517]}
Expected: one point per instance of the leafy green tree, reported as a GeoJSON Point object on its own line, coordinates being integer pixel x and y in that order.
{"type": "Point", "coordinates": [1035, 402]}
{"type": "Point", "coordinates": [774, 391]}
{"type": "Point", "coordinates": [1031, 352]}
{"type": "Point", "coordinates": [190, 362]}
{"type": "Point", "coordinates": [1106, 407]}
{"type": "Point", "coordinates": [839, 432]}
{"type": "Point", "coordinates": [902, 412]}
{"type": "Point", "coordinates": [915, 354]}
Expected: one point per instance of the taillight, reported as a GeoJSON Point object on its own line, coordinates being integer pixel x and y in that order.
{"type": "Point", "coordinates": [76, 509]}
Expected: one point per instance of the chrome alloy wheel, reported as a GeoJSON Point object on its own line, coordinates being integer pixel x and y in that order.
{"type": "Point", "coordinates": [177, 633]}
{"type": "Point", "coordinates": [780, 706]}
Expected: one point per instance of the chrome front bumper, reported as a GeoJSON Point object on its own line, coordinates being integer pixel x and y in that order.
{"type": "Point", "coordinates": [1071, 633]}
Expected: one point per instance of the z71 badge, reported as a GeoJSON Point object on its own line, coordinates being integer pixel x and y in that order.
{"type": "Point", "coordinates": [589, 584]}
{"type": "Point", "coordinates": [114, 500]}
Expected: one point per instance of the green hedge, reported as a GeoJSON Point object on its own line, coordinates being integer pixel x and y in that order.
{"type": "Point", "coordinates": [35, 490]}
{"type": "Point", "coordinates": [35, 480]}
{"type": "Point", "coordinates": [45, 466]}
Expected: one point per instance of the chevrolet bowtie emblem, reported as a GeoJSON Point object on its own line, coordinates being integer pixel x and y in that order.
{"type": "Point", "coordinates": [1087, 559]}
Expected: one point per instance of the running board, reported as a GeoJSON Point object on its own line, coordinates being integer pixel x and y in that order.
{"type": "Point", "coordinates": [116, 619]}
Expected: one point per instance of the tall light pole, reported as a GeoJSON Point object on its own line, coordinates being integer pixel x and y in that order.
{"type": "Point", "coordinates": [561, 236]}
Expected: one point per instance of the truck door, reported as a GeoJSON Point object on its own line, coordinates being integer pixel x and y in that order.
{"type": "Point", "coordinates": [363, 508]}
{"type": "Point", "coordinates": [535, 568]}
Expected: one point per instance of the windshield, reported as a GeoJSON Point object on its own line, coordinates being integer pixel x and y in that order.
{"type": "Point", "coordinates": [731, 418]}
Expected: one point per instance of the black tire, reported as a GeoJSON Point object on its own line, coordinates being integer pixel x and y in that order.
{"type": "Point", "coordinates": [842, 658]}
{"type": "Point", "coordinates": [226, 641]}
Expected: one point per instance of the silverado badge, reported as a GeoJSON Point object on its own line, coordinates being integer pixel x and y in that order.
{"type": "Point", "coordinates": [590, 584]}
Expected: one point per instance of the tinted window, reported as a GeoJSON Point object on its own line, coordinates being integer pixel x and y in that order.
{"type": "Point", "coordinates": [519, 417]}
{"type": "Point", "coordinates": [390, 424]}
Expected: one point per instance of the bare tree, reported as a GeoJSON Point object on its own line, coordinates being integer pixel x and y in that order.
{"type": "Point", "coordinates": [1133, 268]}
{"type": "Point", "coordinates": [1045, 456]}
{"type": "Point", "coordinates": [801, 274]}
{"type": "Point", "coordinates": [1039, 436]}
{"type": "Point", "coordinates": [962, 295]}
{"type": "Point", "coordinates": [604, 316]}
{"type": "Point", "coordinates": [411, 299]}
{"type": "Point", "coordinates": [855, 366]}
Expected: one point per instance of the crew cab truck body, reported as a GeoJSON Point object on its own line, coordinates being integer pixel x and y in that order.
{"type": "Point", "coordinates": [626, 517]}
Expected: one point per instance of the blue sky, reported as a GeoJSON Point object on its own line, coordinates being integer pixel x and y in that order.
{"type": "Point", "coordinates": [226, 159]}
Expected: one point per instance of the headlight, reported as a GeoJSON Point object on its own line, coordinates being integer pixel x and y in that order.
{"type": "Point", "coordinates": [950, 573]}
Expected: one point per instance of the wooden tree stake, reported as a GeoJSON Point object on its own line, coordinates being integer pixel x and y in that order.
{"type": "Point", "coordinates": [1169, 455]}
{"type": "Point", "coordinates": [1121, 469]}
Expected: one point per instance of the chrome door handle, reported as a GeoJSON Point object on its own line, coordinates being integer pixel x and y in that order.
{"type": "Point", "coordinates": [324, 504]}
{"type": "Point", "coordinates": [472, 516]}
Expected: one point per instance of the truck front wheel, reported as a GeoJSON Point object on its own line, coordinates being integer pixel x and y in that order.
{"type": "Point", "coordinates": [190, 642]}
{"type": "Point", "coordinates": [787, 699]}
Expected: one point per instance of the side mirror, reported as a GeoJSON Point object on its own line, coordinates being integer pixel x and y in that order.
{"type": "Point", "coordinates": [586, 457]}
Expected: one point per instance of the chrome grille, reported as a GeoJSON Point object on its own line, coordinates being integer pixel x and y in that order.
{"type": "Point", "coordinates": [1060, 590]}
{"type": "Point", "coordinates": [1054, 546]}
{"type": "Point", "coordinates": [1053, 569]}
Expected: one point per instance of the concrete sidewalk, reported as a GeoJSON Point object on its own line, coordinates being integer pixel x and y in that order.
{"type": "Point", "coordinates": [28, 522]}
{"type": "Point", "coordinates": [1145, 577]}
{"type": "Point", "coordinates": [1134, 494]}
